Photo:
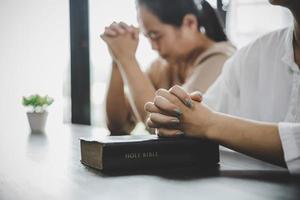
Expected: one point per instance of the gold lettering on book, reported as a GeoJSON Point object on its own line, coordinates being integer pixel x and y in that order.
{"type": "Point", "coordinates": [132, 155]}
{"type": "Point", "coordinates": [150, 154]}
{"type": "Point", "coordinates": [138, 155]}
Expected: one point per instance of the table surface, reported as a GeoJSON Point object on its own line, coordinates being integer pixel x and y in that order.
{"type": "Point", "coordinates": [47, 166]}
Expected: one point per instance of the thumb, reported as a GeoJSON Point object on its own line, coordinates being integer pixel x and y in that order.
{"type": "Point", "coordinates": [103, 37]}
{"type": "Point", "coordinates": [136, 32]}
{"type": "Point", "coordinates": [196, 96]}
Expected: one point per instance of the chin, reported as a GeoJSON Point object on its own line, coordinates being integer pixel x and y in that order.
{"type": "Point", "coordinates": [167, 58]}
{"type": "Point", "coordinates": [170, 60]}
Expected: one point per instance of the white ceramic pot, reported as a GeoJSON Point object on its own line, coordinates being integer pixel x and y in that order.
{"type": "Point", "coordinates": [37, 121]}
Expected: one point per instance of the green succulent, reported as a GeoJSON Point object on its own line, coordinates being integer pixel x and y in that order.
{"type": "Point", "coordinates": [37, 102]}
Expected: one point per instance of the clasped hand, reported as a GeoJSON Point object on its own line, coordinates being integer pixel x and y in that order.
{"type": "Point", "coordinates": [122, 40]}
{"type": "Point", "coordinates": [176, 112]}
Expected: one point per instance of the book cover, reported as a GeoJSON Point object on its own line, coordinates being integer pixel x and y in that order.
{"type": "Point", "coordinates": [147, 152]}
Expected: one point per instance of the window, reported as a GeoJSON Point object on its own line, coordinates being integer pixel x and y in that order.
{"type": "Point", "coordinates": [249, 19]}
{"type": "Point", "coordinates": [34, 52]}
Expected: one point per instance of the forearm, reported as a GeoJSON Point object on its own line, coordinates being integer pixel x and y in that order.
{"type": "Point", "coordinates": [140, 86]}
{"type": "Point", "coordinates": [256, 139]}
{"type": "Point", "coordinates": [117, 107]}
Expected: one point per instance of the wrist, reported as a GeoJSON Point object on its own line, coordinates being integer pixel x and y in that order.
{"type": "Point", "coordinates": [212, 126]}
{"type": "Point", "coordinates": [126, 60]}
{"type": "Point", "coordinates": [114, 64]}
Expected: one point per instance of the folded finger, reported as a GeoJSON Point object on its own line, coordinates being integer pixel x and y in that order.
{"type": "Point", "coordinates": [150, 124]}
{"type": "Point", "coordinates": [151, 108]}
{"type": "Point", "coordinates": [163, 121]}
{"type": "Point", "coordinates": [136, 32]}
{"type": "Point", "coordinates": [166, 106]}
{"type": "Point", "coordinates": [170, 97]}
{"type": "Point", "coordinates": [182, 95]}
{"type": "Point", "coordinates": [126, 27]}
{"type": "Point", "coordinates": [162, 132]}
{"type": "Point", "coordinates": [117, 28]}
{"type": "Point", "coordinates": [109, 32]}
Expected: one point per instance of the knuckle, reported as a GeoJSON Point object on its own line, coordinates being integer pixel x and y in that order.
{"type": "Point", "coordinates": [175, 87]}
{"type": "Point", "coordinates": [146, 106]}
{"type": "Point", "coordinates": [149, 122]}
{"type": "Point", "coordinates": [184, 96]}
{"type": "Point", "coordinates": [152, 116]}
{"type": "Point", "coordinates": [156, 100]}
{"type": "Point", "coordinates": [159, 91]}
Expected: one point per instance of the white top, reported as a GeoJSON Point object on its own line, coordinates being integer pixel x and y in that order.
{"type": "Point", "coordinates": [262, 82]}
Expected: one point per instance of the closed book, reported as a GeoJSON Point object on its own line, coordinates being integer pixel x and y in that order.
{"type": "Point", "coordinates": [147, 152]}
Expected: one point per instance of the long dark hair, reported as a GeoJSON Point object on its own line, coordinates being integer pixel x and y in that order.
{"type": "Point", "coordinates": [173, 11]}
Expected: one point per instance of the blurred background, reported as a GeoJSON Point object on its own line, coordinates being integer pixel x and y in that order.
{"type": "Point", "coordinates": [35, 48]}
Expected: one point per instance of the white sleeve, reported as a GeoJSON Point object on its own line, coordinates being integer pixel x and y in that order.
{"type": "Point", "coordinates": [290, 140]}
{"type": "Point", "coordinates": [223, 95]}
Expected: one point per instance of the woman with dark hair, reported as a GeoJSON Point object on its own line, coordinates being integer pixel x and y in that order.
{"type": "Point", "coordinates": [192, 47]}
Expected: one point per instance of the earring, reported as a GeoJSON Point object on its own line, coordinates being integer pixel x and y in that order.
{"type": "Point", "coordinates": [202, 30]}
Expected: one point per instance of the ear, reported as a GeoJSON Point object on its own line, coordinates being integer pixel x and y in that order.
{"type": "Point", "coordinates": [190, 21]}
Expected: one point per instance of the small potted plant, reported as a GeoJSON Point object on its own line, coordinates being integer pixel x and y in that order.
{"type": "Point", "coordinates": [37, 115]}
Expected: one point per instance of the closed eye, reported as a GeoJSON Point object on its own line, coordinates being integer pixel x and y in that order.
{"type": "Point", "coordinates": [154, 36]}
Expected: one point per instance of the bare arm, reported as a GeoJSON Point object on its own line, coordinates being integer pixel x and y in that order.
{"type": "Point", "coordinates": [257, 139]}
{"type": "Point", "coordinates": [118, 111]}
{"type": "Point", "coordinates": [123, 49]}
{"type": "Point", "coordinates": [141, 88]}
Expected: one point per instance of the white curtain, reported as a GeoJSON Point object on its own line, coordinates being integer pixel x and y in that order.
{"type": "Point", "coordinates": [34, 53]}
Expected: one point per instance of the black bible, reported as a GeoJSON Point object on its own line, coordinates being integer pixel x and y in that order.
{"type": "Point", "coordinates": [147, 152]}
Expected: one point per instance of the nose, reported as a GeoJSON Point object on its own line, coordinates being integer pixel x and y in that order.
{"type": "Point", "coordinates": [154, 45]}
